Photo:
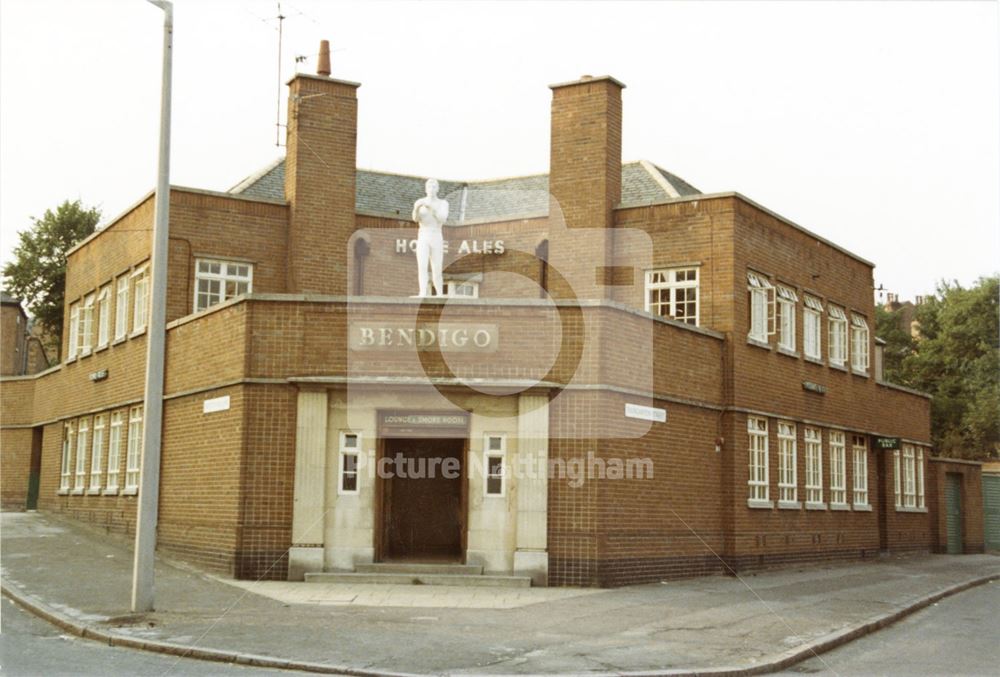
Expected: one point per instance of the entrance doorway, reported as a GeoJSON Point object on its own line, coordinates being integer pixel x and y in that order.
{"type": "Point", "coordinates": [423, 500]}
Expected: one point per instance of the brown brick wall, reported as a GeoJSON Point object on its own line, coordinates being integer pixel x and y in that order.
{"type": "Point", "coordinates": [972, 504]}
{"type": "Point", "coordinates": [16, 446]}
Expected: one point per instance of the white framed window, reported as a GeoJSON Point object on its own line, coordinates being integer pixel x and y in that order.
{"type": "Point", "coordinates": [86, 331]}
{"type": "Point", "coordinates": [787, 472]}
{"type": "Point", "coordinates": [838, 336]}
{"type": "Point", "coordinates": [859, 343]}
{"type": "Point", "coordinates": [812, 327]}
{"type": "Point", "coordinates": [897, 474]}
{"type": "Point", "coordinates": [73, 344]}
{"type": "Point", "coordinates": [66, 472]}
{"type": "Point", "coordinates": [911, 479]}
{"type": "Point", "coordinates": [761, 307]}
{"type": "Point", "coordinates": [468, 289]}
{"type": "Point", "coordinates": [121, 307]}
{"type": "Point", "coordinates": [814, 465]}
{"type": "Point", "coordinates": [133, 456]}
{"type": "Point", "coordinates": [97, 452]}
{"type": "Point", "coordinates": [494, 464]}
{"type": "Point", "coordinates": [838, 468]}
{"type": "Point", "coordinates": [673, 292]}
{"type": "Point", "coordinates": [114, 451]}
{"type": "Point", "coordinates": [758, 480]}
{"type": "Point", "coordinates": [82, 444]}
{"type": "Point", "coordinates": [859, 451]}
{"type": "Point", "coordinates": [140, 301]}
{"type": "Point", "coordinates": [350, 449]}
{"type": "Point", "coordinates": [787, 301]}
{"type": "Point", "coordinates": [103, 316]}
{"type": "Point", "coordinates": [216, 281]}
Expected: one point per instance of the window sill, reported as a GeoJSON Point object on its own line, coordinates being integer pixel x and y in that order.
{"type": "Point", "coordinates": [789, 505]}
{"type": "Point", "coordinates": [759, 503]}
{"type": "Point", "coordinates": [119, 339]}
{"type": "Point", "coordinates": [844, 507]}
{"type": "Point", "coordinates": [138, 332]}
{"type": "Point", "coordinates": [77, 492]}
{"type": "Point", "coordinates": [788, 353]}
{"type": "Point", "coordinates": [911, 509]}
{"type": "Point", "coordinates": [758, 343]}
{"type": "Point", "coordinates": [862, 507]}
{"type": "Point", "coordinates": [85, 353]}
{"type": "Point", "coordinates": [62, 492]}
{"type": "Point", "coordinates": [815, 360]}
{"type": "Point", "coordinates": [838, 367]}
{"type": "Point", "coordinates": [815, 506]}
{"type": "Point", "coordinates": [93, 492]}
{"type": "Point", "coordinates": [71, 359]}
{"type": "Point", "coordinates": [110, 492]}
{"type": "Point", "coordinates": [100, 348]}
{"type": "Point", "coordinates": [862, 374]}
{"type": "Point", "coordinates": [129, 491]}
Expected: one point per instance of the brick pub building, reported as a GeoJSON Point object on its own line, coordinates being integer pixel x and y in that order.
{"type": "Point", "coordinates": [602, 311]}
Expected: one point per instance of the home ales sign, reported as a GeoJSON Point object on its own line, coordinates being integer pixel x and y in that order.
{"type": "Point", "coordinates": [443, 336]}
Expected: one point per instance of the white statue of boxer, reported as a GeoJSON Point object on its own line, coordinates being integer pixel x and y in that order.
{"type": "Point", "coordinates": [430, 213]}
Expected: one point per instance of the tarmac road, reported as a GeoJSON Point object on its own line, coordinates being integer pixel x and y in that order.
{"type": "Point", "coordinates": [957, 636]}
{"type": "Point", "coordinates": [32, 646]}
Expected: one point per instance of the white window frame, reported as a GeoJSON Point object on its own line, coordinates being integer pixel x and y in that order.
{"type": "Point", "coordinates": [97, 453]}
{"type": "Point", "coordinates": [897, 477]}
{"type": "Point", "coordinates": [224, 277]}
{"type": "Point", "coordinates": [788, 480]}
{"type": "Point", "coordinates": [140, 299]}
{"type": "Point", "coordinates": [456, 288]}
{"type": "Point", "coordinates": [838, 468]}
{"type": "Point", "coordinates": [73, 344]}
{"type": "Point", "coordinates": [489, 453]}
{"type": "Point", "coordinates": [920, 478]}
{"type": "Point", "coordinates": [762, 322]}
{"type": "Point", "coordinates": [104, 316]}
{"type": "Point", "coordinates": [859, 344]}
{"type": "Point", "coordinates": [814, 467]}
{"type": "Point", "coordinates": [133, 457]}
{"type": "Point", "coordinates": [86, 331]}
{"type": "Point", "coordinates": [66, 469]}
{"type": "Point", "coordinates": [859, 454]}
{"type": "Point", "coordinates": [838, 336]}
{"type": "Point", "coordinates": [121, 307]}
{"type": "Point", "coordinates": [665, 279]}
{"type": "Point", "coordinates": [787, 300]}
{"type": "Point", "coordinates": [758, 480]}
{"type": "Point", "coordinates": [82, 445]}
{"type": "Point", "coordinates": [812, 327]}
{"type": "Point", "coordinates": [342, 472]}
{"type": "Point", "coordinates": [114, 452]}
{"type": "Point", "coordinates": [909, 476]}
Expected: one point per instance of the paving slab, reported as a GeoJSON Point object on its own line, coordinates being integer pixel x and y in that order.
{"type": "Point", "coordinates": [703, 624]}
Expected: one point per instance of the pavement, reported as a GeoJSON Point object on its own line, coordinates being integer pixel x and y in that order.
{"type": "Point", "coordinates": [80, 579]}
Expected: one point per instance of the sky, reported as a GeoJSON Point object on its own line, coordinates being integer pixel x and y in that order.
{"type": "Point", "coordinates": [873, 124]}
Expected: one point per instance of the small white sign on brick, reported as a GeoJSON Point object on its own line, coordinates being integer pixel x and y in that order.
{"type": "Point", "coordinates": [215, 404]}
{"type": "Point", "coordinates": [645, 413]}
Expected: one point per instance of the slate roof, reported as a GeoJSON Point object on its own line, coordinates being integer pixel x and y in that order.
{"type": "Point", "coordinates": [393, 195]}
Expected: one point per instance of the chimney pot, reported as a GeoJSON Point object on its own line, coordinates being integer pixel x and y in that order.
{"type": "Point", "coordinates": [323, 64]}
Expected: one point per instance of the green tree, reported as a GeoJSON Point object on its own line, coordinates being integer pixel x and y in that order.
{"type": "Point", "coordinates": [37, 274]}
{"type": "Point", "coordinates": [889, 326]}
{"type": "Point", "coordinates": [957, 360]}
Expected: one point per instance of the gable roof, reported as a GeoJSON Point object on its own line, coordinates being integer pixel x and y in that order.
{"type": "Point", "coordinates": [393, 195]}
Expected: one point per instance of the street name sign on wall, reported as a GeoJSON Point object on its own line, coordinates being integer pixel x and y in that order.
{"type": "Point", "coordinates": [887, 442]}
{"type": "Point", "coordinates": [443, 336]}
{"type": "Point", "coordinates": [645, 413]}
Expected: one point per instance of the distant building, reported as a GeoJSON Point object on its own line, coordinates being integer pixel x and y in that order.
{"type": "Point", "coordinates": [22, 351]}
{"type": "Point", "coordinates": [907, 313]}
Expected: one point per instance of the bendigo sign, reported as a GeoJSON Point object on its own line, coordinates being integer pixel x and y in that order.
{"type": "Point", "coordinates": [446, 337]}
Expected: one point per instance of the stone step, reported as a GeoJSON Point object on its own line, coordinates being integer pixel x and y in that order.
{"type": "Point", "coordinates": [421, 579]}
{"type": "Point", "coordinates": [408, 568]}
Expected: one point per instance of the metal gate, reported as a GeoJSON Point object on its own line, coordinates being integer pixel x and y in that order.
{"type": "Point", "coordinates": [953, 514]}
{"type": "Point", "coordinates": [991, 511]}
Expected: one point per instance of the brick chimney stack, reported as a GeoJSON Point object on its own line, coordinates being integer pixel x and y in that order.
{"type": "Point", "coordinates": [585, 175]}
{"type": "Point", "coordinates": [320, 167]}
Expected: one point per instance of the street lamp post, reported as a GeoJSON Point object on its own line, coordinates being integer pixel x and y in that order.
{"type": "Point", "coordinates": [149, 472]}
